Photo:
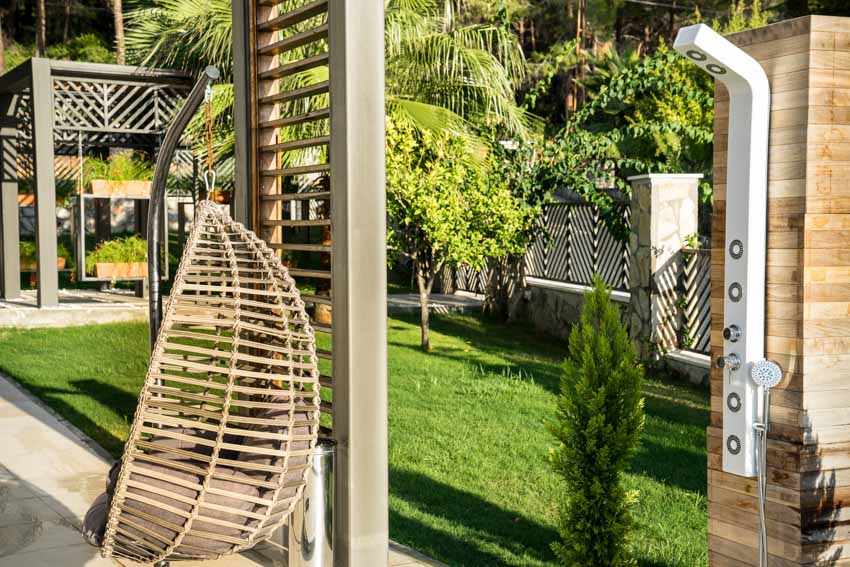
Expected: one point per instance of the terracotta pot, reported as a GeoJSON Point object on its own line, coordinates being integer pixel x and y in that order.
{"type": "Point", "coordinates": [61, 262]}
{"type": "Point", "coordinates": [118, 271]}
{"type": "Point", "coordinates": [106, 187]}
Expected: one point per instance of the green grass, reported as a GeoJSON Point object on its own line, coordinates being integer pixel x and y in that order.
{"type": "Point", "coordinates": [470, 482]}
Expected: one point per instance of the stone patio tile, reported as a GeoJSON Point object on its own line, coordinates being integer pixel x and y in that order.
{"type": "Point", "coordinates": [39, 536]}
{"type": "Point", "coordinates": [82, 555]}
{"type": "Point", "coordinates": [25, 512]}
{"type": "Point", "coordinates": [12, 488]}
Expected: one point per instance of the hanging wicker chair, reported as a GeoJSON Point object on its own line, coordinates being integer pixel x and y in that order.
{"type": "Point", "coordinates": [219, 448]}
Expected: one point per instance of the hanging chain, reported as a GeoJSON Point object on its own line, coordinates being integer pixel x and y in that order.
{"type": "Point", "coordinates": [209, 174]}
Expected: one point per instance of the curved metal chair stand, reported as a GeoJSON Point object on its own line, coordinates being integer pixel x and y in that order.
{"type": "Point", "coordinates": [218, 453]}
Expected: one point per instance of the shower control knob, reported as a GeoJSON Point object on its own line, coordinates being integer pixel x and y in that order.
{"type": "Point", "coordinates": [732, 333]}
{"type": "Point", "coordinates": [732, 362]}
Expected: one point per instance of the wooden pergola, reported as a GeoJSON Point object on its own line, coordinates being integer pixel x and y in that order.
{"type": "Point", "coordinates": [309, 117]}
{"type": "Point", "coordinates": [50, 108]}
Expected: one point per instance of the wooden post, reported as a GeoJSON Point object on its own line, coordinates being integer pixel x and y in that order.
{"type": "Point", "coordinates": [10, 268]}
{"type": "Point", "coordinates": [244, 190]}
{"type": "Point", "coordinates": [807, 61]}
{"type": "Point", "coordinates": [45, 183]}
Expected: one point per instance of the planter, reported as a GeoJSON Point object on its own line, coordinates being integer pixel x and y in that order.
{"type": "Point", "coordinates": [118, 271]}
{"type": "Point", "coordinates": [60, 265]}
{"type": "Point", "coordinates": [106, 187]}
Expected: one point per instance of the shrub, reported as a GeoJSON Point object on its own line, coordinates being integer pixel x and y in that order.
{"type": "Point", "coordinates": [600, 419]}
{"type": "Point", "coordinates": [119, 251]}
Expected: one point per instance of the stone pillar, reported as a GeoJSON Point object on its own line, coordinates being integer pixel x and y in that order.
{"type": "Point", "coordinates": [664, 213]}
{"type": "Point", "coordinates": [807, 326]}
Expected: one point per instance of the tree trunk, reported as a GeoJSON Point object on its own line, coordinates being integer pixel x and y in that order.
{"type": "Point", "coordinates": [40, 29]}
{"type": "Point", "coordinates": [119, 31]}
{"type": "Point", "coordinates": [426, 273]}
{"type": "Point", "coordinates": [66, 28]}
{"type": "Point", "coordinates": [424, 314]}
{"type": "Point", "coordinates": [2, 45]}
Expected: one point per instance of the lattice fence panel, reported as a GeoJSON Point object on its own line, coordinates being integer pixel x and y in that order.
{"type": "Point", "coordinates": [695, 287]}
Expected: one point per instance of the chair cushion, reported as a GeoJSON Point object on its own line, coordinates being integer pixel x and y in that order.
{"type": "Point", "coordinates": [172, 494]}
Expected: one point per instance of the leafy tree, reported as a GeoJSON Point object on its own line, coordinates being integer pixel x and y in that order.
{"type": "Point", "coordinates": [653, 116]}
{"type": "Point", "coordinates": [443, 210]}
{"type": "Point", "coordinates": [599, 422]}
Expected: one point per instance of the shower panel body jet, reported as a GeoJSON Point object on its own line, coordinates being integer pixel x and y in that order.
{"type": "Point", "coordinates": [746, 228]}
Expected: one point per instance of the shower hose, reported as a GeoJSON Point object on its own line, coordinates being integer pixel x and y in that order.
{"type": "Point", "coordinates": [761, 470]}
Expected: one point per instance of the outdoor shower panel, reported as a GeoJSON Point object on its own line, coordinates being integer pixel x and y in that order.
{"type": "Point", "coordinates": [746, 238]}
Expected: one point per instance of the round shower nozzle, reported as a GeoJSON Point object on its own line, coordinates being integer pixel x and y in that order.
{"type": "Point", "coordinates": [766, 373]}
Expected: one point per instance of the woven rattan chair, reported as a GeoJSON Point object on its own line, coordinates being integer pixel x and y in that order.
{"type": "Point", "coordinates": [218, 452]}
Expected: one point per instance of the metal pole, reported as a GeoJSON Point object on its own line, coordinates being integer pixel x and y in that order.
{"type": "Point", "coordinates": [157, 201]}
{"type": "Point", "coordinates": [359, 291]}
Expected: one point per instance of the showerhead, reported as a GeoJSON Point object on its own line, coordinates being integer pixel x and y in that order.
{"type": "Point", "coordinates": [766, 373]}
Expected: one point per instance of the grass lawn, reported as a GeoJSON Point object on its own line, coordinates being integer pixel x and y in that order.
{"type": "Point", "coordinates": [470, 482]}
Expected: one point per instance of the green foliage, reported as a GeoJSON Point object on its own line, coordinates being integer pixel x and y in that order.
{"type": "Point", "coordinates": [653, 116]}
{"type": "Point", "coordinates": [452, 78]}
{"type": "Point", "coordinates": [119, 251]}
{"type": "Point", "coordinates": [123, 166]}
{"type": "Point", "coordinates": [87, 47]}
{"type": "Point", "coordinates": [443, 208]}
{"type": "Point", "coordinates": [29, 254]}
{"type": "Point", "coordinates": [600, 420]}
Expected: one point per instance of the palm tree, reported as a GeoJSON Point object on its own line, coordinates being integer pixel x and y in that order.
{"type": "Point", "coordinates": [118, 13]}
{"type": "Point", "coordinates": [440, 75]}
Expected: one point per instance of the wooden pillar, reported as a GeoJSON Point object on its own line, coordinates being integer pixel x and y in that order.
{"type": "Point", "coordinates": [10, 268]}
{"type": "Point", "coordinates": [358, 225]}
{"type": "Point", "coordinates": [243, 190]}
{"type": "Point", "coordinates": [807, 61]}
{"type": "Point", "coordinates": [45, 183]}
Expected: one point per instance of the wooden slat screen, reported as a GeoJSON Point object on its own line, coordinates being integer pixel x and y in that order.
{"type": "Point", "coordinates": [291, 119]}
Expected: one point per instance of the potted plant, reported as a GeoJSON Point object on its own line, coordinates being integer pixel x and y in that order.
{"type": "Point", "coordinates": [29, 256]}
{"type": "Point", "coordinates": [122, 174]}
{"type": "Point", "coordinates": [121, 258]}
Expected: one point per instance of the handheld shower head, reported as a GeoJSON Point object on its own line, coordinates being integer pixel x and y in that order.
{"type": "Point", "coordinates": [766, 373]}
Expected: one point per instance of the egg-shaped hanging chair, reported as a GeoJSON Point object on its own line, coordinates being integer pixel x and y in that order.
{"type": "Point", "coordinates": [219, 450]}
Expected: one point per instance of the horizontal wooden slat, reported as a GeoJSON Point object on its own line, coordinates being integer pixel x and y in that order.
{"type": "Point", "coordinates": [323, 299]}
{"type": "Point", "coordinates": [308, 196]}
{"type": "Point", "coordinates": [298, 170]}
{"type": "Point", "coordinates": [295, 67]}
{"type": "Point", "coordinates": [295, 94]}
{"type": "Point", "coordinates": [326, 381]}
{"type": "Point", "coordinates": [324, 354]}
{"type": "Point", "coordinates": [300, 247]}
{"type": "Point", "coordinates": [297, 223]}
{"type": "Point", "coordinates": [313, 116]}
{"type": "Point", "coordinates": [327, 407]}
{"type": "Point", "coordinates": [321, 328]}
{"type": "Point", "coordinates": [318, 274]}
{"type": "Point", "coordinates": [295, 41]}
{"type": "Point", "coordinates": [297, 144]}
{"type": "Point", "coordinates": [294, 17]}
